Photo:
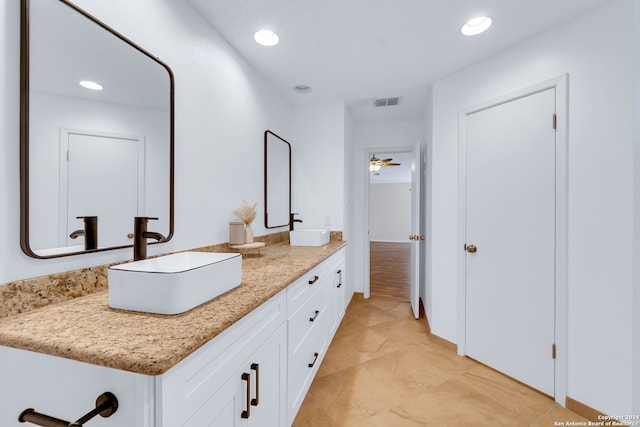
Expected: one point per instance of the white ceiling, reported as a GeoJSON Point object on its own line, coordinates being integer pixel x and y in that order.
{"type": "Point", "coordinates": [358, 50]}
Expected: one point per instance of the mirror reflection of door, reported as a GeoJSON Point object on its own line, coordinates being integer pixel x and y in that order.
{"type": "Point", "coordinates": [104, 178]}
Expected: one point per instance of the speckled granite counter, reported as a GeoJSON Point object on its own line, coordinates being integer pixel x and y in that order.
{"type": "Point", "coordinates": [88, 330]}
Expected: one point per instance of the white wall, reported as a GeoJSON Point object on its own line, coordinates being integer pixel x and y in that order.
{"type": "Point", "coordinates": [223, 107]}
{"type": "Point", "coordinates": [596, 51]}
{"type": "Point", "coordinates": [318, 165]}
{"type": "Point", "coordinates": [636, 212]}
{"type": "Point", "coordinates": [348, 197]}
{"type": "Point", "coordinates": [369, 137]}
{"type": "Point", "coordinates": [389, 212]}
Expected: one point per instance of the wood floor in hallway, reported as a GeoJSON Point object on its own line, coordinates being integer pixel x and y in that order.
{"type": "Point", "coordinates": [390, 275]}
{"type": "Point", "coordinates": [383, 370]}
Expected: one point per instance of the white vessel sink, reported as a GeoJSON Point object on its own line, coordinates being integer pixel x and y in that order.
{"type": "Point", "coordinates": [309, 237]}
{"type": "Point", "coordinates": [175, 283]}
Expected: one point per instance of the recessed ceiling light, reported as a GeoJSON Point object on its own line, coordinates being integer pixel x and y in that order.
{"type": "Point", "coordinates": [475, 26]}
{"type": "Point", "coordinates": [266, 37]}
{"type": "Point", "coordinates": [302, 88]}
{"type": "Point", "coordinates": [90, 85]}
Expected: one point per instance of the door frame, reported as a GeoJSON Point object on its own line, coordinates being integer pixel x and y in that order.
{"type": "Point", "coordinates": [366, 155]}
{"type": "Point", "coordinates": [561, 86]}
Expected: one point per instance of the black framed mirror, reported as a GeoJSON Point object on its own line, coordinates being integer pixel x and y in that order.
{"type": "Point", "coordinates": [96, 134]}
{"type": "Point", "coordinates": [277, 181]}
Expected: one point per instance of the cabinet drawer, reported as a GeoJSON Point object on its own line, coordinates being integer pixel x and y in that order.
{"type": "Point", "coordinates": [310, 351]}
{"type": "Point", "coordinates": [304, 288]}
{"type": "Point", "coordinates": [308, 318]}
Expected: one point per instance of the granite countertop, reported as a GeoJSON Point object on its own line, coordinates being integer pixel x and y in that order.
{"type": "Point", "coordinates": [88, 330]}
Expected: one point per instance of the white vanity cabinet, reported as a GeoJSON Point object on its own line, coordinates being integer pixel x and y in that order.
{"type": "Point", "coordinates": [255, 373]}
{"type": "Point", "coordinates": [315, 306]}
{"type": "Point", "coordinates": [237, 379]}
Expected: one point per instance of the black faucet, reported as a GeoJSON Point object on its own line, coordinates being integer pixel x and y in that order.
{"type": "Point", "coordinates": [90, 232]}
{"type": "Point", "coordinates": [291, 220]}
{"type": "Point", "coordinates": [140, 236]}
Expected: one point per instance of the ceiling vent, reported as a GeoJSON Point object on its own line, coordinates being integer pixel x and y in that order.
{"type": "Point", "coordinates": [386, 102]}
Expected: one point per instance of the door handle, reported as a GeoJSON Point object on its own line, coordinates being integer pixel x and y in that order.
{"type": "Point", "coordinates": [412, 237]}
{"type": "Point", "coordinates": [470, 248]}
{"type": "Point", "coordinates": [422, 237]}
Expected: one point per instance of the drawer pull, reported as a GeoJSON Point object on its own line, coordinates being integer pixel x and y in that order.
{"type": "Point", "coordinates": [256, 401]}
{"type": "Point", "coordinates": [247, 377]}
{"type": "Point", "coordinates": [314, 280]}
{"type": "Point", "coordinates": [315, 359]}
{"type": "Point", "coordinates": [311, 319]}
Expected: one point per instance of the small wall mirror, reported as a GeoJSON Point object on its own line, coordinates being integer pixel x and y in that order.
{"type": "Point", "coordinates": [277, 180]}
{"type": "Point", "coordinates": [96, 137]}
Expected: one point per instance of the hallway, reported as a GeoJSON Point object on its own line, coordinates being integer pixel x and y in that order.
{"type": "Point", "coordinates": [383, 370]}
{"type": "Point", "coordinates": [390, 275]}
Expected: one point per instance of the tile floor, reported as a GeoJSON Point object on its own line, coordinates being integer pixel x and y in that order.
{"type": "Point", "coordinates": [382, 370]}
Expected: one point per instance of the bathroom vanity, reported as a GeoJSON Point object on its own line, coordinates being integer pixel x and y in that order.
{"type": "Point", "coordinates": [246, 358]}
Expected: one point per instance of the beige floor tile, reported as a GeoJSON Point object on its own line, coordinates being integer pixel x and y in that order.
{"type": "Point", "coordinates": [456, 404]}
{"type": "Point", "coordinates": [312, 414]}
{"type": "Point", "coordinates": [335, 360]}
{"type": "Point", "coordinates": [353, 394]}
{"type": "Point", "coordinates": [389, 419]}
{"type": "Point", "coordinates": [407, 372]}
{"type": "Point", "coordinates": [526, 402]}
{"type": "Point", "coordinates": [556, 415]}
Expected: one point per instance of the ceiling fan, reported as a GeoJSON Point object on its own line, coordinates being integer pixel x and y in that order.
{"type": "Point", "coordinates": [375, 163]}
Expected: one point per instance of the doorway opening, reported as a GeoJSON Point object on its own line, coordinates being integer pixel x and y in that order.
{"type": "Point", "coordinates": [390, 225]}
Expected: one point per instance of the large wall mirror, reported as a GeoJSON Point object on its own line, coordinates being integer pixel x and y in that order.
{"type": "Point", "coordinates": [277, 180]}
{"type": "Point", "coordinates": [93, 154]}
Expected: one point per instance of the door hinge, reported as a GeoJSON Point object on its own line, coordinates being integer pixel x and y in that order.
{"type": "Point", "coordinates": [555, 121]}
{"type": "Point", "coordinates": [553, 351]}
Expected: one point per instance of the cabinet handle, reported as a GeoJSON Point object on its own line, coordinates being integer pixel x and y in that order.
{"type": "Point", "coordinates": [339, 272]}
{"type": "Point", "coordinates": [315, 358]}
{"type": "Point", "coordinates": [256, 401]}
{"type": "Point", "coordinates": [314, 280]}
{"type": "Point", "coordinates": [247, 377]}
{"type": "Point", "coordinates": [311, 319]}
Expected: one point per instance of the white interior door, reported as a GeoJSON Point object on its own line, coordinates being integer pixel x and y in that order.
{"type": "Point", "coordinates": [418, 238]}
{"type": "Point", "coordinates": [105, 176]}
{"type": "Point", "coordinates": [510, 222]}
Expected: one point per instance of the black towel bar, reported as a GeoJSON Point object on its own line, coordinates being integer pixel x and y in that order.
{"type": "Point", "coordinates": [106, 405]}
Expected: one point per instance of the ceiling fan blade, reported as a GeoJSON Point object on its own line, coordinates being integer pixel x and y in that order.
{"type": "Point", "coordinates": [386, 160]}
{"type": "Point", "coordinates": [391, 164]}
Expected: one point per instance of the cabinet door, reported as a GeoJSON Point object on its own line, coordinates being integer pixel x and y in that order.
{"type": "Point", "coordinates": [67, 389]}
{"type": "Point", "coordinates": [225, 407]}
{"type": "Point", "coordinates": [268, 367]}
{"type": "Point", "coordinates": [254, 395]}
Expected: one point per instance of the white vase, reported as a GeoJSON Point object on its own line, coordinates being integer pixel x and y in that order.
{"type": "Point", "coordinates": [248, 234]}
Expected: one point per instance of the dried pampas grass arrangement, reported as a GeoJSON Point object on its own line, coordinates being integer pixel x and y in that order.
{"type": "Point", "coordinates": [246, 213]}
